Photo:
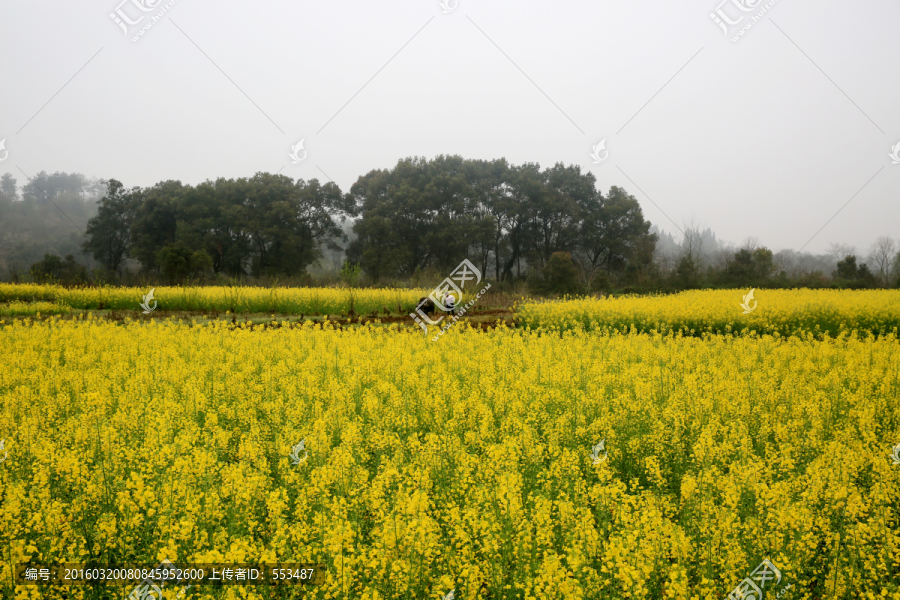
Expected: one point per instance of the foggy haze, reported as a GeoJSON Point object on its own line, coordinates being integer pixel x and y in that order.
{"type": "Point", "coordinates": [769, 136]}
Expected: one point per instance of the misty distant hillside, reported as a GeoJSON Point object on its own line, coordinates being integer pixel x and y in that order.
{"type": "Point", "coordinates": [48, 215]}
{"type": "Point", "coordinates": [710, 251]}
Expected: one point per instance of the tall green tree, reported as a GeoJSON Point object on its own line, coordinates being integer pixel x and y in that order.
{"type": "Point", "coordinates": [613, 233]}
{"type": "Point", "coordinates": [109, 233]}
{"type": "Point", "coordinates": [488, 181]}
{"type": "Point", "coordinates": [750, 266]}
{"type": "Point", "coordinates": [526, 192]}
{"type": "Point", "coordinates": [44, 187]}
{"type": "Point", "coordinates": [288, 221]}
{"type": "Point", "coordinates": [8, 191]}
{"type": "Point", "coordinates": [448, 198]}
{"type": "Point", "coordinates": [155, 223]}
{"type": "Point", "coordinates": [559, 212]}
{"type": "Point", "coordinates": [395, 220]}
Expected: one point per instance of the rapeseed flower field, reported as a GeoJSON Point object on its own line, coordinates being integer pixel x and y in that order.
{"type": "Point", "coordinates": [33, 309]}
{"type": "Point", "coordinates": [783, 312]}
{"type": "Point", "coordinates": [316, 301]}
{"type": "Point", "coordinates": [469, 465]}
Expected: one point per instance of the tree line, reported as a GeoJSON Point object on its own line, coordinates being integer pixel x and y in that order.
{"type": "Point", "coordinates": [262, 225]}
{"type": "Point", "coordinates": [506, 219]}
{"type": "Point", "coordinates": [416, 216]}
{"type": "Point", "coordinates": [548, 227]}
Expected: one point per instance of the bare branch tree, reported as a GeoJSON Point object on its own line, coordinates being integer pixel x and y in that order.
{"type": "Point", "coordinates": [751, 243]}
{"type": "Point", "coordinates": [881, 257]}
{"type": "Point", "coordinates": [840, 251]}
{"type": "Point", "coordinates": [692, 245]}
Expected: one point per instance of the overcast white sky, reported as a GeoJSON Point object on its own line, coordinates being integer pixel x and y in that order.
{"type": "Point", "coordinates": [768, 136]}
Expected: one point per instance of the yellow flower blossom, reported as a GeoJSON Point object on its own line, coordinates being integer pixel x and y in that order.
{"type": "Point", "coordinates": [458, 465]}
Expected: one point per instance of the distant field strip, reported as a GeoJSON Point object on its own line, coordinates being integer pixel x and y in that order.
{"type": "Point", "coordinates": [783, 312]}
{"type": "Point", "coordinates": [239, 299]}
{"type": "Point", "coordinates": [33, 309]}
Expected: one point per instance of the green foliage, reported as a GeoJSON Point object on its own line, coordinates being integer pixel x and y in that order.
{"type": "Point", "coordinates": [687, 274]}
{"type": "Point", "coordinates": [560, 275]}
{"type": "Point", "coordinates": [109, 233]}
{"type": "Point", "coordinates": [155, 223]}
{"type": "Point", "coordinates": [350, 273]}
{"type": "Point", "coordinates": [614, 234]}
{"type": "Point", "coordinates": [430, 214]}
{"type": "Point", "coordinates": [846, 269]}
{"type": "Point", "coordinates": [52, 269]}
{"type": "Point", "coordinates": [175, 261]}
{"type": "Point", "coordinates": [600, 282]}
{"type": "Point", "coordinates": [268, 224]}
{"type": "Point", "coordinates": [848, 274]}
{"type": "Point", "coordinates": [201, 263]}
{"type": "Point", "coordinates": [750, 267]}
{"type": "Point", "coordinates": [8, 189]}
{"type": "Point", "coordinates": [38, 222]}
{"type": "Point", "coordinates": [178, 262]}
